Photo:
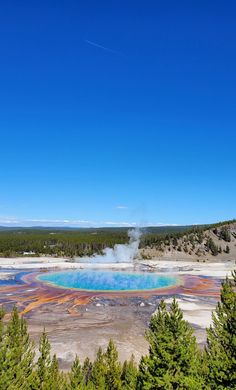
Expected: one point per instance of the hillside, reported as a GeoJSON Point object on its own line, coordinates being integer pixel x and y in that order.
{"type": "Point", "coordinates": [201, 242]}
{"type": "Point", "coordinates": [204, 243]}
{"type": "Point", "coordinates": [69, 242]}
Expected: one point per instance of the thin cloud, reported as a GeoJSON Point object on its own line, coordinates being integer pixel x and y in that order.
{"type": "Point", "coordinates": [102, 47]}
{"type": "Point", "coordinates": [117, 224]}
{"type": "Point", "coordinates": [59, 221]}
{"type": "Point", "coordinates": [43, 222]}
{"type": "Point", "coordinates": [161, 224]}
{"type": "Point", "coordinates": [28, 222]}
{"type": "Point", "coordinates": [8, 220]}
{"type": "Point", "coordinates": [121, 207]}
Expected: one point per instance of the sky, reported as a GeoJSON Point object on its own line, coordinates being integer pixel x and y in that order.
{"type": "Point", "coordinates": [117, 112]}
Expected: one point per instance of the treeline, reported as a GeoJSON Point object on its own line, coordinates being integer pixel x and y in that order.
{"type": "Point", "coordinates": [64, 243]}
{"type": "Point", "coordinates": [69, 242]}
{"type": "Point", "coordinates": [86, 242]}
{"type": "Point", "coordinates": [174, 361]}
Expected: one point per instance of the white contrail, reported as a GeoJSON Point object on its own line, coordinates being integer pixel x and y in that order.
{"type": "Point", "coordinates": [102, 47]}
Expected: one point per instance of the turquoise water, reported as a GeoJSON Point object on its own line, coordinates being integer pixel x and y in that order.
{"type": "Point", "coordinates": [96, 280]}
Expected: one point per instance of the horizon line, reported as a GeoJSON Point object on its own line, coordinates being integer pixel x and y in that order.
{"type": "Point", "coordinates": [101, 226]}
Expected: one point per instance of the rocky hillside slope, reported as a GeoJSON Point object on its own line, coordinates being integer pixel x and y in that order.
{"type": "Point", "coordinates": [215, 242]}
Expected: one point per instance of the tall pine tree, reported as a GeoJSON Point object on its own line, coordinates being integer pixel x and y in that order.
{"type": "Point", "coordinates": [56, 379]}
{"type": "Point", "coordinates": [87, 370]}
{"type": "Point", "coordinates": [129, 374]}
{"type": "Point", "coordinates": [99, 371]}
{"type": "Point", "coordinates": [44, 363]}
{"type": "Point", "coordinates": [113, 372]}
{"type": "Point", "coordinates": [221, 340]}
{"type": "Point", "coordinates": [76, 375]}
{"type": "Point", "coordinates": [173, 360]}
{"type": "Point", "coordinates": [16, 354]}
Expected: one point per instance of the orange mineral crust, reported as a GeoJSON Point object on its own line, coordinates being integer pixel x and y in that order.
{"type": "Point", "coordinates": [32, 294]}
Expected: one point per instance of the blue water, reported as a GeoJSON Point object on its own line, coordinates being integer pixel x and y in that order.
{"type": "Point", "coordinates": [12, 277]}
{"type": "Point", "coordinates": [91, 280]}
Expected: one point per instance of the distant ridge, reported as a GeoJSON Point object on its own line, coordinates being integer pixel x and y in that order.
{"type": "Point", "coordinates": [147, 229]}
{"type": "Point", "coordinates": [150, 229]}
{"type": "Point", "coordinates": [187, 241]}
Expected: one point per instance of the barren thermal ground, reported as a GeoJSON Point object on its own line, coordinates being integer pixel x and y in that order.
{"type": "Point", "coordinates": [82, 309]}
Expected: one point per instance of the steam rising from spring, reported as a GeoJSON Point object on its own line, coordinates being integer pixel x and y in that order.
{"type": "Point", "coordinates": [121, 253]}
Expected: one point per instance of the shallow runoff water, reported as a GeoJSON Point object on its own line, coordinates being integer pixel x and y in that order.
{"type": "Point", "coordinates": [96, 280]}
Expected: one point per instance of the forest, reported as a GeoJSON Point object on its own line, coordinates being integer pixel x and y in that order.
{"type": "Point", "coordinates": [174, 360]}
{"type": "Point", "coordinates": [58, 242]}
{"type": "Point", "coordinates": [69, 243]}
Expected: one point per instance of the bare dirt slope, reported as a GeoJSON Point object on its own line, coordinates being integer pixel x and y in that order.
{"type": "Point", "coordinates": [215, 244]}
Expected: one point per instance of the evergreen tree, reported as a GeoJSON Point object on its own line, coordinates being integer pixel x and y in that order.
{"type": "Point", "coordinates": [2, 314]}
{"type": "Point", "coordinates": [221, 340]}
{"type": "Point", "coordinates": [44, 363]}
{"type": "Point", "coordinates": [173, 361]}
{"type": "Point", "coordinates": [129, 374]}
{"type": "Point", "coordinates": [87, 370]}
{"type": "Point", "coordinates": [212, 247]}
{"type": "Point", "coordinates": [225, 234]}
{"type": "Point", "coordinates": [113, 373]}
{"type": "Point", "coordinates": [227, 249]}
{"type": "Point", "coordinates": [76, 375]}
{"type": "Point", "coordinates": [175, 242]}
{"type": "Point", "coordinates": [99, 371]}
{"type": "Point", "coordinates": [54, 374]}
{"type": "Point", "coordinates": [16, 354]}
{"type": "Point", "coordinates": [56, 379]}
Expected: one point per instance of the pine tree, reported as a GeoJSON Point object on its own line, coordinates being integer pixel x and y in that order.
{"type": "Point", "coordinates": [16, 354]}
{"type": "Point", "coordinates": [2, 314]}
{"type": "Point", "coordinates": [56, 380]}
{"type": "Point", "coordinates": [113, 373]}
{"type": "Point", "coordinates": [212, 247]}
{"type": "Point", "coordinates": [129, 374]}
{"type": "Point", "coordinates": [87, 370]}
{"type": "Point", "coordinates": [76, 375]}
{"type": "Point", "coordinates": [44, 363]}
{"type": "Point", "coordinates": [225, 234]}
{"type": "Point", "coordinates": [173, 360]}
{"type": "Point", "coordinates": [227, 249]}
{"type": "Point", "coordinates": [99, 371]}
{"type": "Point", "coordinates": [221, 340]}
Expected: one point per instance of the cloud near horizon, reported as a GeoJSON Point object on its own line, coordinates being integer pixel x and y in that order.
{"type": "Point", "coordinates": [26, 222]}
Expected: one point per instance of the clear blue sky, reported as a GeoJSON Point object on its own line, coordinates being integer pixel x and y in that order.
{"type": "Point", "coordinates": [117, 112]}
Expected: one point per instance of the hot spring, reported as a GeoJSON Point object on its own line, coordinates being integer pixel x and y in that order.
{"type": "Point", "coordinates": [96, 280]}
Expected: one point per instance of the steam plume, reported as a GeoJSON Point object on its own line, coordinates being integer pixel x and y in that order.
{"type": "Point", "coordinates": [121, 253]}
